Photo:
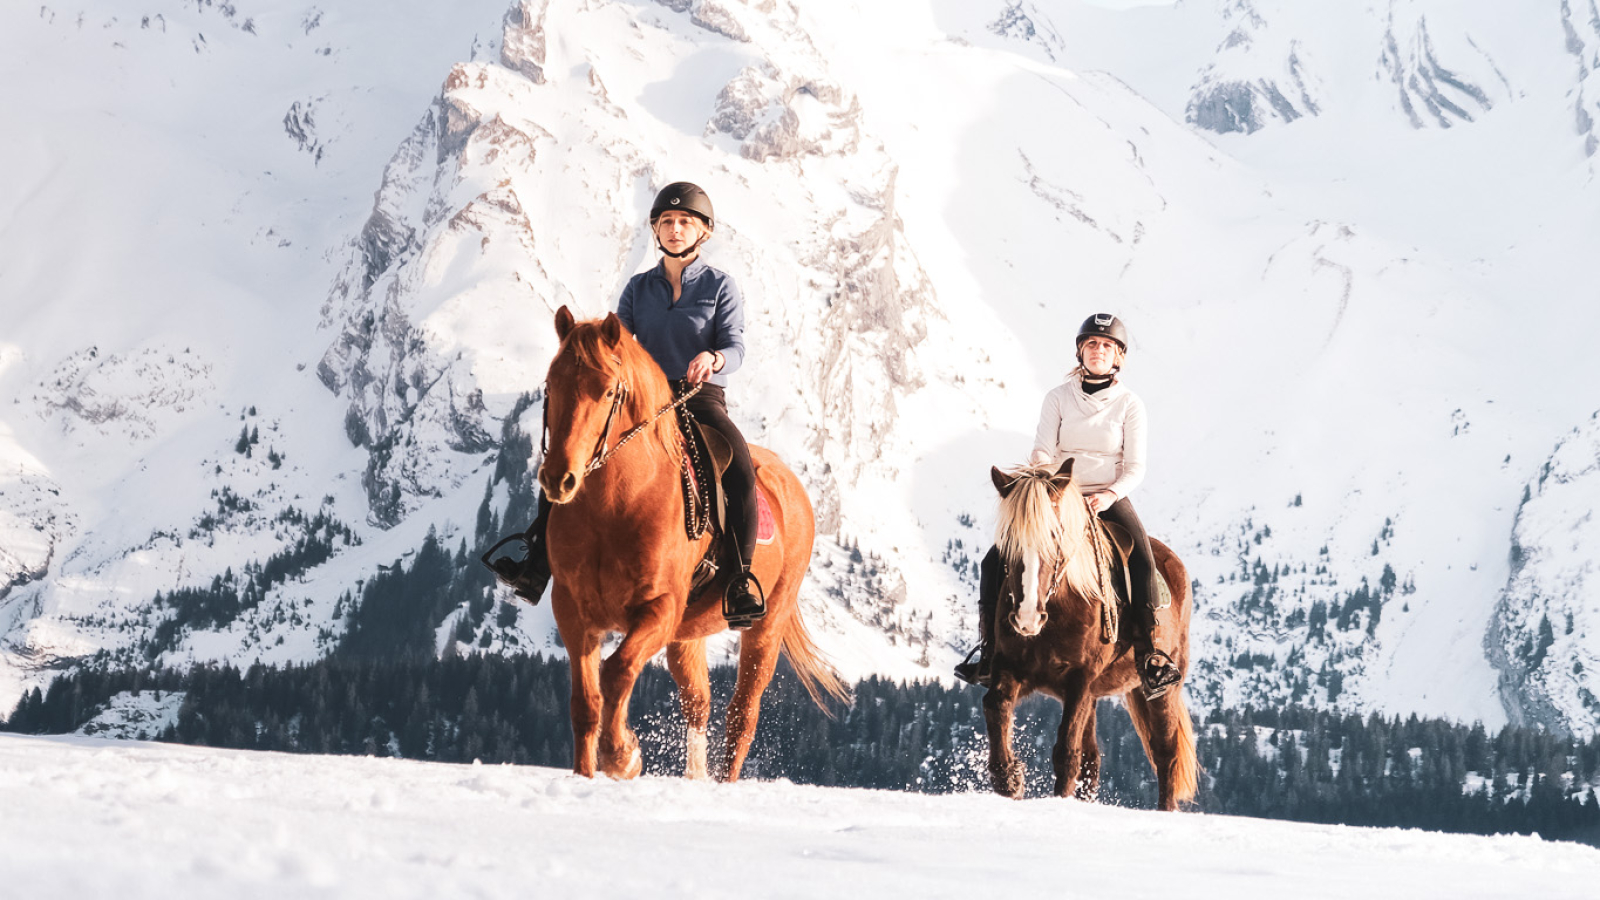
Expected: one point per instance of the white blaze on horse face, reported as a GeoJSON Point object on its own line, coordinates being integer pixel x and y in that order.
{"type": "Point", "coordinates": [1029, 618]}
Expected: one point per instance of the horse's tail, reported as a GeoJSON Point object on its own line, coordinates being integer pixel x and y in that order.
{"type": "Point", "coordinates": [1172, 727]}
{"type": "Point", "coordinates": [816, 673]}
{"type": "Point", "coordinates": [1186, 767]}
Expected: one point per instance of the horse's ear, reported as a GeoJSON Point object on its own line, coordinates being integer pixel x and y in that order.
{"type": "Point", "coordinates": [1065, 472]}
{"type": "Point", "coordinates": [564, 322]}
{"type": "Point", "coordinates": [1002, 482]}
{"type": "Point", "coordinates": [611, 329]}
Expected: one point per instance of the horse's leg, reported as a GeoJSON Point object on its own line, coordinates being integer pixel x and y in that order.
{"type": "Point", "coordinates": [687, 662]}
{"type": "Point", "coordinates": [1089, 771]}
{"type": "Point", "coordinates": [650, 626]}
{"type": "Point", "coordinates": [1168, 735]}
{"type": "Point", "coordinates": [1006, 772]}
{"type": "Point", "coordinates": [583, 658]}
{"type": "Point", "coordinates": [1077, 711]}
{"type": "Point", "coordinates": [758, 659]}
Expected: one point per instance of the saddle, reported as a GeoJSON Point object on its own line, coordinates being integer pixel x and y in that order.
{"type": "Point", "coordinates": [1122, 575]}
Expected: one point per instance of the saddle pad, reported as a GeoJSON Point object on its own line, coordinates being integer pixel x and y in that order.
{"type": "Point", "coordinates": [766, 528]}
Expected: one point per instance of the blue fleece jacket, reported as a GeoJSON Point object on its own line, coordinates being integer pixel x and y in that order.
{"type": "Point", "coordinates": [709, 316]}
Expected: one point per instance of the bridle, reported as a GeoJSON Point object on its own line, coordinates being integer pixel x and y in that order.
{"type": "Point", "coordinates": [619, 395]}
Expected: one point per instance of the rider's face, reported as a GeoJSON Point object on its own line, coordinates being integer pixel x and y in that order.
{"type": "Point", "coordinates": [678, 230]}
{"type": "Point", "coordinates": [1099, 355]}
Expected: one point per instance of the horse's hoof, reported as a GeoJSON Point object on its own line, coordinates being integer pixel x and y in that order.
{"type": "Point", "coordinates": [623, 764]}
{"type": "Point", "coordinates": [1009, 782]}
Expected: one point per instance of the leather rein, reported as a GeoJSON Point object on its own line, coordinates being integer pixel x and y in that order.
{"type": "Point", "coordinates": [602, 453]}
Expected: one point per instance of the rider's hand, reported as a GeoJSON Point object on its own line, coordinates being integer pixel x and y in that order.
{"type": "Point", "coordinates": [701, 367]}
{"type": "Point", "coordinates": [1100, 501]}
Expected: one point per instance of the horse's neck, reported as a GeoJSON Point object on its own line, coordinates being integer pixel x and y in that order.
{"type": "Point", "coordinates": [632, 477]}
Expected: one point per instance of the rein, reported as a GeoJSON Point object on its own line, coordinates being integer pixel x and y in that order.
{"type": "Point", "coordinates": [601, 453]}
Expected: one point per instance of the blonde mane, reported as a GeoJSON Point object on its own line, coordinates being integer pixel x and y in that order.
{"type": "Point", "coordinates": [1034, 524]}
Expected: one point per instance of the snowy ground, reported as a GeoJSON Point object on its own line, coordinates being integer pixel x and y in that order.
{"type": "Point", "coordinates": [85, 817]}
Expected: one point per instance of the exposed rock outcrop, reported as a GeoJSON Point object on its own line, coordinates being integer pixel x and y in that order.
{"type": "Point", "coordinates": [1545, 635]}
{"type": "Point", "coordinates": [522, 43]}
{"type": "Point", "coordinates": [1255, 79]}
{"type": "Point", "coordinates": [1429, 92]}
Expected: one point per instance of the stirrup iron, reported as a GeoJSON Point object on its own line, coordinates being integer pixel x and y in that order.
{"type": "Point", "coordinates": [747, 615]}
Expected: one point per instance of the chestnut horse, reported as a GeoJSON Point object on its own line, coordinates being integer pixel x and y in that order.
{"type": "Point", "coordinates": [621, 560]}
{"type": "Point", "coordinates": [1052, 641]}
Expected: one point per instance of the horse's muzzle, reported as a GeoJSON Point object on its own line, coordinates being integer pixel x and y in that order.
{"type": "Point", "coordinates": [1032, 630]}
{"type": "Point", "coordinates": [561, 491]}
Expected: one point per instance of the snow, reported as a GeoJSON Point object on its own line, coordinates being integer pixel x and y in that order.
{"type": "Point", "coordinates": [91, 818]}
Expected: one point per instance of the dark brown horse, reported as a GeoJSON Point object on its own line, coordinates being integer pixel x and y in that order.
{"type": "Point", "coordinates": [621, 560]}
{"type": "Point", "coordinates": [1049, 639]}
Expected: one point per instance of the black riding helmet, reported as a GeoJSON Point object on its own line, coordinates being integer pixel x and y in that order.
{"type": "Point", "coordinates": [686, 196]}
{"type": "Point", "coordinates": [1104, 325]}
{"type": "Point", "coordinates": [690, 198]}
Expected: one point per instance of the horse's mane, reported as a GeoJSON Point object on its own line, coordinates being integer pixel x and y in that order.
{"type": "Point", "coordinates": [627, 360]}
{"type": "Point", "coordinates": [1031, 520]}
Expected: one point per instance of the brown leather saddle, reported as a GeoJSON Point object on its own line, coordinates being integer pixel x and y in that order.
{"type": "Point", "coordinates": [1122, 575]}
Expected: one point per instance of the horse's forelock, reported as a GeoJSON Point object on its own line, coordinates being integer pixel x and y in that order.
{"type": "Point", "coordinates": [1028, 516]}
{"type": "Point", "coordinates": [626, 360]}
{"type": "Point", "coordinates": [1051, 521]}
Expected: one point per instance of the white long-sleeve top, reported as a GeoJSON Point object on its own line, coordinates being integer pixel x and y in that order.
{"type": "Point", "coordinates": [1103, 432]}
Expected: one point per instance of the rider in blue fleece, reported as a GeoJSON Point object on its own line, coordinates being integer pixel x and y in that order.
{"type": "Point", "coordinates": [708, 315]}
{"type": "Point", "coordinates": [690, 317]}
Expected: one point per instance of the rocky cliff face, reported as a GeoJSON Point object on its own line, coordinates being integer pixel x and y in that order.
{"type": "Point", "coordinates": [1580, 20]}
{"type": "Point", "coordinates": [1546, 629]}
{"type": "Point", "coordinates": [1434, 92]}
{"type": "Point", "coordinates": [1257, 77]}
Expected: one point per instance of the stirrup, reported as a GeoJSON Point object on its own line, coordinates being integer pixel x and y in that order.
{"type": "Point", "coordinates": [973, 671]}
{"type": "Point", "coordinates": [526, 578]}
{"type": "Point", "coordinates": [1157, 674]}
{"type": "Point", "coordinates": [742, 607]}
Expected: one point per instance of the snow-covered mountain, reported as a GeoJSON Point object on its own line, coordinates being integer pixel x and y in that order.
{"type": "Point", "coordinates": [276, 277]}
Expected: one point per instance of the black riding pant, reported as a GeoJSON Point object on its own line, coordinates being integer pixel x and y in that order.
{"type": "Point", "coordinates": [1141, 566]}
{"type": "Point", "coordinates": [1141, 562]}
{"type": "Point", "coordinates": [710, 407]}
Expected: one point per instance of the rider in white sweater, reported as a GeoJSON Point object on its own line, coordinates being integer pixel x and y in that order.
{"type": "Point", "coordinates": [1100, 424]}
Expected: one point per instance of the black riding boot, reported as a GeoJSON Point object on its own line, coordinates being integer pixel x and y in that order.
{"type": "Point", "coordinates": [744, 603]}
{"type": "Point", "coordinates": [1157, 672]}
{"type": "Point", "coordinates": [529, 575]}
{"type": "Point", "coordinates": [981, 671]}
